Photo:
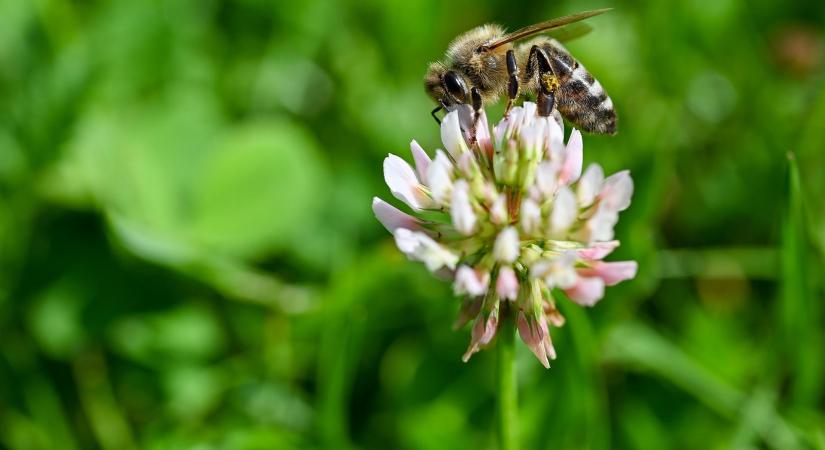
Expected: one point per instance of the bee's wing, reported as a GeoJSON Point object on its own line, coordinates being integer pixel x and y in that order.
{"type": "Point", "coordinates": [543, 26]}
{"type": "Point", "coordinates": [569, 32]}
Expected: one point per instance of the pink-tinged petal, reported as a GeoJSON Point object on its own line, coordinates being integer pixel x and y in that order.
{"type": "Point", "coordinates": [422, 161]}
{"type": "Point", "coordinates": [490, 329]}
{"type": "Point", "coordinates": [403, 183]}
{"type": "Point", "coordinates": [484, 330]}
{"type": "Point", "coordinates": [507, 246]}
{"type": "Point", "coordinates": [564, 211]}
{"type": "Point", "coordinates": [483, 136]}
{"type": "Point", "coordinates": [586, 291]}
{"type": "Point", "coordinates": [461, 210]}
{"type": "Point", "coordinates": [590, 184]}
{"type": "Point", "coordinates": [393, 218]}
{"type": "Point", "coordinates": [451, 135]}
{"type": "Point", "coordinates": [597, 250]}
{"type": "Point", "coordinates": [507, 283]}
{"type": "Point", "coordinates": [611, 273]}
{"type": "Point", "coordinates": [617, 191]}
{"type": "Point", "coordinates": [545, 333]}
{"type": "Point", "coordinates": [536, 339]}
{"type": "Point", "coordinates": [469, 281]}
{"type": "Point", "coordinates": [571, 169]}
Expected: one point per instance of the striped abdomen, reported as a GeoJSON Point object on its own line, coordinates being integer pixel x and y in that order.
{"type": "Point", "coordinates": [580, 98]}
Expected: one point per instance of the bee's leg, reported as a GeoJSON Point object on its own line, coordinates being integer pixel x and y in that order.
{"type": "Point", "coordinates": [512, 83]}
{"type": "Point", "coordinates": [539, 64]}
{"type": "Point", "coordinates": [437, 109]}
{"type": "Point", "coordinates": [546, 100]}
{"type": "Point", "coordinates": [476, 97]}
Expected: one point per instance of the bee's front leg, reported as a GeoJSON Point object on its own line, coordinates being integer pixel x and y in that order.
{"type": "Point", "coordinates": [436, 110]}
{"type": "Point", "coordinates": [475, 95]}
{"type": "Point", "coordinates": [512, 82]}
{"type": "Point", "coordinates": [476, 98]}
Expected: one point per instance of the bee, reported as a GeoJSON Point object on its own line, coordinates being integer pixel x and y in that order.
{"type": "Point", "coordinates": [485, 63]}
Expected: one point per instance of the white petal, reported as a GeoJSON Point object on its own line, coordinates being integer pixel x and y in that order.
{"type": "Point", "coordinates": [422, 161]}
{"type": "Point", "coordinates": [498, 210]}
{"type": "Point", "coordinates": [464, 219]}
{"type": "Point", "coordinates": [529, 112]}
{"type": "Point", "coordinates": [617, 191]}
{"type": "Point", "coordinates": [530, 219]}
{"type": "Point", "coordinates": [590, 185]}
{"type": "Point", "coordinates": [406, 240]}
{"type": "Point", "coordinates": [532, 138]}
{"type": "Point", "coordinates": [440, 178]}
{"type": "Point", "coordinates": [546, 179]}
{"type": "Point", "coordinates": [420, 247]}
{"type": "Point", "coordinates": [468, 167]}
{"type": "Point", "coordinates": [393, 218]}
{"type": "Point", "coordinates": [556, 272]}
{"type": "Point", "coordinates": [451, 135]}
{"type": "Point", "coordinates": [403, 183]}
{"type": "Point", "coordinates": [556, 151]}
{"type": "Point", "coordinates": [507, 246]}
{"type": "Point", "coordinates": [600, 226]}
{"type": "Point", "coordinates": [564, 210]}
{"type": "Point", "coordinates": [470, 282]}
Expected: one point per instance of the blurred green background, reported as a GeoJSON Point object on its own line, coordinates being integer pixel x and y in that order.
{"type": "Point", "coordinates": [188, 259]}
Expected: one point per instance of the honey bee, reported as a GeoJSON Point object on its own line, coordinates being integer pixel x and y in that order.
{"type": "Point", "coordinates": [483, 64]}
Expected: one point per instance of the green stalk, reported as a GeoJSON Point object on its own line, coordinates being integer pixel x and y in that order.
{"type": "Point", "coordinates": [507, 384]}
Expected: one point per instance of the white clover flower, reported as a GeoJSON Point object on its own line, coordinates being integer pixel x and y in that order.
{"type": "Point", "coordinates": [512, 218]}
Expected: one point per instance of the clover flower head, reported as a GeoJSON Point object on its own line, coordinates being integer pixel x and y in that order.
{"type": "Point", "coordinates": [511, 218]}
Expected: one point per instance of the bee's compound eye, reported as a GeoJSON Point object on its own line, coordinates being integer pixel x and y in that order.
{"type": "Point", "coordinates": [455, 86]}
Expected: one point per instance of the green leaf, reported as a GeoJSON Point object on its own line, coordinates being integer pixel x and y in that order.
{"type": "Point", "coordinates": [798, 309]}
{"type": "Point", "coordinates": [261, 185]}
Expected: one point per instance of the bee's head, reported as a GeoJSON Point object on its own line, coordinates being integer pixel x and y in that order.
{"type": "Point", "coordinates": [445, 86]}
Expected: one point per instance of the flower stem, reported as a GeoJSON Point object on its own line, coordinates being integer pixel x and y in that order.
{"type": "Point", "coordinates": [507, 385]}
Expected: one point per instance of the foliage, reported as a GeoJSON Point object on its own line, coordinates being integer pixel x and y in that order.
{"type": "Point", "coordinates": [188, 257]}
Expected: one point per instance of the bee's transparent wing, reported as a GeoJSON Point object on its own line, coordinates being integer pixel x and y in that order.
{"type": "Point", "coordinates": [544, 26]}
{"type": "Point", "coordinates": [569, 32]}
